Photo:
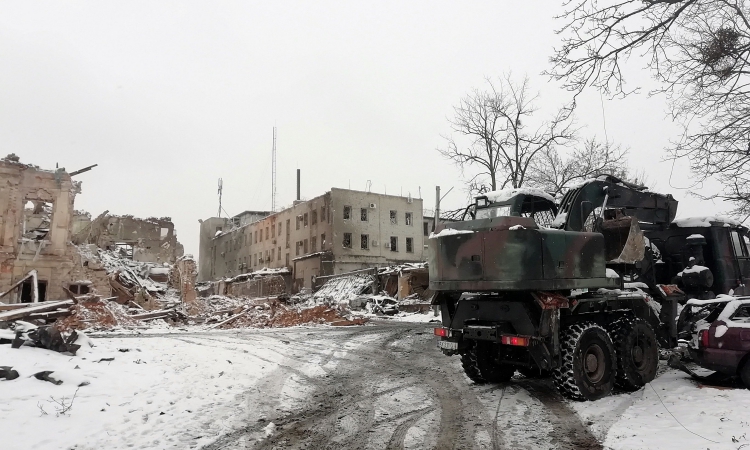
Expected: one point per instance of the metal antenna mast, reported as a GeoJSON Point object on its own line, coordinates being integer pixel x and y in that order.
{"type": "Point", "coordinates": [273, 172]}
{"type": "Point", "coordinates": [221, 188]}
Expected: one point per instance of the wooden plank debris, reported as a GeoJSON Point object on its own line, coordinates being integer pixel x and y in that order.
{"type": "Point", "coordinates": [228, 320]}
{"type": "Point", "coordinates": [153, 314]}
{"type": "Point", "coordinates": [33, 308]}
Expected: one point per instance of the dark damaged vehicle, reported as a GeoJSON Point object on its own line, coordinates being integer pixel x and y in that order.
{"type": "Point", "coordinates": [587, 290]}
{"type": "Point", "coordinates": [722, 341]}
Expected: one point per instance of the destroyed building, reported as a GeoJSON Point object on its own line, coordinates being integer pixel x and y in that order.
{"type": "Point", "coordinates": [49, 251]}
{"type": "Point", "coordinates": [339, 231]}
{"type": "Point", "coordinates": [37, 211]}
{"type": "Point", "coordinates": [142, 240]}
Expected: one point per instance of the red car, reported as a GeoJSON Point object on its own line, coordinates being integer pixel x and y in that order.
{"type": "Point", "coordinates": [724, 345]}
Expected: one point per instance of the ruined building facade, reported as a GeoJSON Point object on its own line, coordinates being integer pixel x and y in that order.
{"type": "Point", "coordinates": [37, 211]}
{"type": "Point", "coordinates": [339, 231]}
{"type": "Point", "coordinates": [142, 240]}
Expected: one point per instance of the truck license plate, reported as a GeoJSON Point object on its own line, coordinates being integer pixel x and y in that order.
{"type": "Point", "coordinates": [448, 345]}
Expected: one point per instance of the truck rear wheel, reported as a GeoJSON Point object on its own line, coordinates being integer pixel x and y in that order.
{"type": "Point", "coordinates": [481, 365]}
{"type": "Point", "coordinates": [588, 362]}
{"type": "Point", "coordinates": [637, 353]}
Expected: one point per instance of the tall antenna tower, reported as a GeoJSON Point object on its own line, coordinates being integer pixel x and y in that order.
{"type": "Point", "coordinates": [273, 172]}
{"type": "Point", "coordinates": [221, 188]}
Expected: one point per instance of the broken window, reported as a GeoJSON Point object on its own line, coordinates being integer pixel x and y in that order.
{"type": "Point", "coordinates": [298, 221]}
{"type": "Point", "coordinates": [364, 241]}
{"type": "Point", "coordinates": [305, 219]}
{"type": "Point", "coordinates": [409, 245]}
{"type": "Point", "coordinates": [347, 240]}
{"type": "Point", "coordinates": [322, 213]}
{"type": "Point", "coordinates": [279, 253]}
{"type": "Point", "coordinates": [314, 244]}
{"type": "Point", "coordinates": [314, 217]}
{"type": "Point", "coordinates": [394, 243]}
{"type": "Point", "coordinates": [394, 217]}
{"type": "Point", "coordinates": [347, 212]}
{"type": "Point", "coordinates": [37, 219]}
{"type": "Point", "coordinates": [296, 248]}
{"type": "Point", "coordinates": [363, 214]}
{"type": "Point", "coordinates": [305, 247]}
{"type": "Point", "coordinates": [322, 241]}
{"type": "Point", "coordinates": [79, 288]}
{"type": "Point", "coordinates": [27, 291]}
{"type": "Point", "coordinates": [407, 218]}
{"type": "Point", "coordinates": [125, 250]}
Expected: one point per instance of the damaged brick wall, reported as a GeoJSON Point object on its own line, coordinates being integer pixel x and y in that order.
{"type": "Point", "coordinates": [182, 277]}
{"type": "Point", "coordinates": [143, 240]}
{"type": "Point", "coordinates": [266, 286]}
{"type": "Point", "coordinates": [37, 209]}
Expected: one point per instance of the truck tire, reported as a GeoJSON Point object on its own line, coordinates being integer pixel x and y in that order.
{"type": "Point", "coordinates": [588, 362]}
{"type": "Point", "coordinates": [637, 352]}
{"type": "Point", "coordinates": [481, 366]}
{"type": "Point", "coordinates": [470, 365]}
{"type": "Point", "coordinates": [491, 369]}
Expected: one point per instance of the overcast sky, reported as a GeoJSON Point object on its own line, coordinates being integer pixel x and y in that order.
{"type": "Point", "coordinates": [169, 96]}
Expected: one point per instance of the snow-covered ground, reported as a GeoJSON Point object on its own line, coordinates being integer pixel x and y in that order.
{"type": "Point", "coordinates": [176, 391]}
{"type": "Point", "coordinates": [243, 388]}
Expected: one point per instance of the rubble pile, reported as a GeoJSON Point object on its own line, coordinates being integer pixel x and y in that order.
{"type": "Point", "coordinates": [227, 312]}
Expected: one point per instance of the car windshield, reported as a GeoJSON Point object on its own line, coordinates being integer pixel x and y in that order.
{"type": "Point", "coordinates": [493, 211]}
{"type": "Point", "coordinates": [742, 314]}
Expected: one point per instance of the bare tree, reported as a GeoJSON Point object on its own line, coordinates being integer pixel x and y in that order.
{"type": "Point", "coordinates": [555, 173]}
{"type": "Point", "coordinates": [501, 135]}
{"type": "Point", "coordinates": [699, 52]}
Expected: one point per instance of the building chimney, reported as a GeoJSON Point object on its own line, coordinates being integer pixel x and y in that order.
{"type": "Point", "coordinates": [298, 184]}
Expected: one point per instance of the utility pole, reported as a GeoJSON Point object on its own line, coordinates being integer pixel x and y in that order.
{"type": "Point", "coordinates": [438, 199]}
{"type": "Point", "coordinates": [221, 188]}
{"type": "Point", "coordinates": [437, 207]}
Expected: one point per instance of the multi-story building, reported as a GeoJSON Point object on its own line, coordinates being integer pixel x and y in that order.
{"type": "Point", "coordinates": [339, 231]}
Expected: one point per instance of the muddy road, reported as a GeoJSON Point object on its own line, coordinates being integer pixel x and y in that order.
{"type": "Point", "coordinates": [387, 386]}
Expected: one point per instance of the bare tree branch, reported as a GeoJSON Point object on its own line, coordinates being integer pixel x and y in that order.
{"type": "Point", "coordinates": [502, 136]}
{"type": "Point", "coordinates": [699, 51]}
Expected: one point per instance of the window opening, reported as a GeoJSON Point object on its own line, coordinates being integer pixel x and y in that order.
{"type": "Point", "coordinates": [347, 212]}
{"type": "Point", "coordinates": [394, 217]}
{"type": "Point", "coordinates": [365, 241]}
{"type": "Point", "coordinates": [410, 245]}
{"type": "Point", "coordinates": [37, 219]}
{"type": "Point", "coordinates": [407, 218]}
{"type": "Point", "coordinates": [347, 240]}
{"type": "Point", "coordinates": [394, 243]}
{"type": "Point", "coordinates": [363, 214]}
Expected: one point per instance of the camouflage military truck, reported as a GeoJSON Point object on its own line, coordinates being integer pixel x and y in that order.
{"type": "Point", "coordinates": [586, 290]}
